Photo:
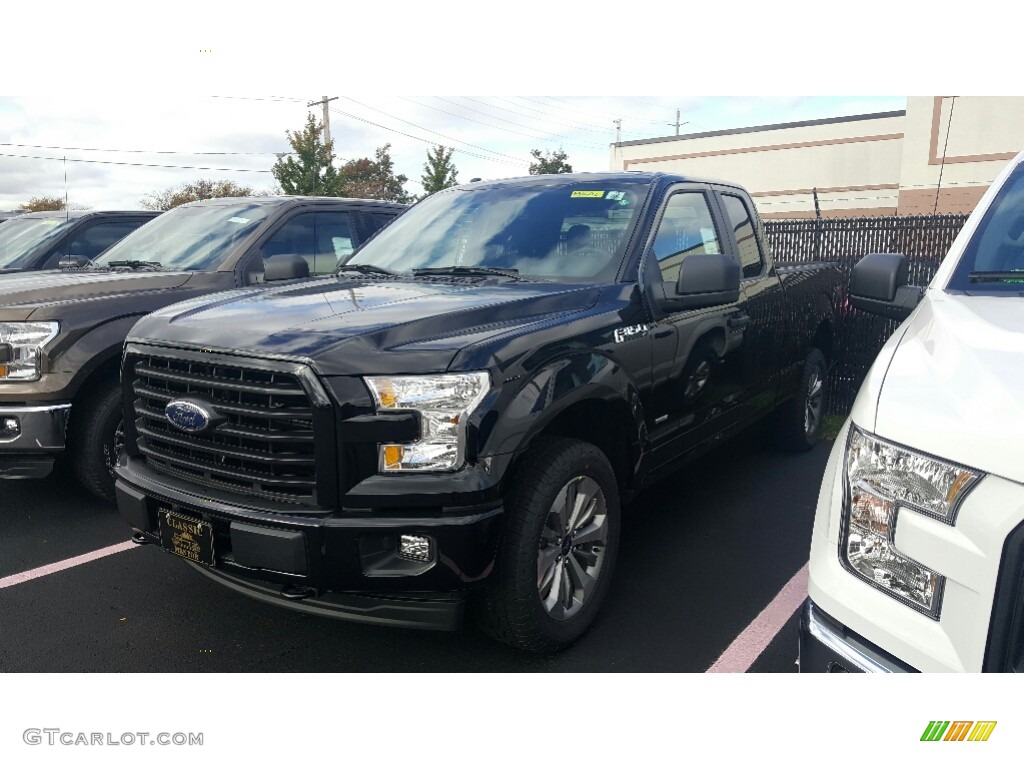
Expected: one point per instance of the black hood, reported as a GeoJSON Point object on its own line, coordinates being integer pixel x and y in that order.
{"type": "Point", "coordinates": [342, 326]}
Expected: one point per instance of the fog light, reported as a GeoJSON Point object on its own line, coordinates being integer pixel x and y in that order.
{"type": "Point", "coordinates": [417, 548]}
{"type": "Point", "coordinates": [9, 427]}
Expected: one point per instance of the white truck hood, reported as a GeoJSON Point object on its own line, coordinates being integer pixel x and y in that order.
{"type": "Point", "coordinates": [954, 387]}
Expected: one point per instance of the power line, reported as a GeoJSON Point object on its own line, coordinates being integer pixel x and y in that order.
{"type": "Point", "coordinates": [428, 130]}
{"type": "Point", "coordinates": [512, 122]}
{"type": "Point", "coordinates": [256, 98]}
{"type": "Point", "coordinates": [520, 114]}
{"type": "Point", "coordinates": [428, 141]}
{"type": "Point", "coordinates": [137, 151]}
{"type": "Point", "coordinates": [143, 165]}
{"type": "Point", "coordinates": [545, 137]}
{"type": "Point", "coordinates": [942, 166]}
{"type": "Point", "coordinates": [592, 114]}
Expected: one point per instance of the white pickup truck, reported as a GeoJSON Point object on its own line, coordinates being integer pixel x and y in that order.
{"type": "Point", "coordinates": [917, 554]}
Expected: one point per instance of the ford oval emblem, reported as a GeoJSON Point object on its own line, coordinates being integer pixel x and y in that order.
{"type": "Point", "coordinates": [188, 416]}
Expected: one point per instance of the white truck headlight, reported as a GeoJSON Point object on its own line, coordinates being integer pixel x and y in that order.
{"type": "Point", "coordinates": [881, 479]}
{"type": "Point", "coordinates": [19, 349]}
{"type": "Point", "coordinates": [443, 402]}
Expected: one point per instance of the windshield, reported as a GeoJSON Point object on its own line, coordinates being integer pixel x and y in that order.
{"type": "Point", "coordinates": [571, 231]}
{"type": "Point", "coordinates": [993, 262]}
{"type": "Point", "coordinates": [195, 238]}
{"type": "Point", "coordinates": [19, 238]}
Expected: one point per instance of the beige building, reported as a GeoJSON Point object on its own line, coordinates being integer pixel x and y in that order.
{"type": "Point", "coordinates": [939, 154]}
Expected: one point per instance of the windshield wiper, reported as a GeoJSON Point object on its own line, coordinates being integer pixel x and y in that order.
{"type": "Point", "coordinates": [133, 264]}
{"type": "Point", "coordinates": [478, 271]}
{"type": "Point", "coordinates": [995, 277]}
{"type": "Point", "coordinates": [363, 269]}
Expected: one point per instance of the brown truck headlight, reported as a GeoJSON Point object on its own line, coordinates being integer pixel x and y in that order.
{"type": "Point", "coordinates": [20, 344]}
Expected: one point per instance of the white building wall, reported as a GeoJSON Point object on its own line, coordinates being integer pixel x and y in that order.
{"type": "Point", "coordinates": [861, 166]}
{"type": "Point", "coordinates": [984, 133]}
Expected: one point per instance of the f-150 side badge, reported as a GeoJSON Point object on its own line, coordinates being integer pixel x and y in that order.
{"type": "Point", "coordinates": [629, 332]}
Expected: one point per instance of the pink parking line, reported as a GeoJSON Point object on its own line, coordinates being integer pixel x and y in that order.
{"type": "Point", "coordinates": [71, 562]}
{"type": "Point", "coordinates": [744, 650]}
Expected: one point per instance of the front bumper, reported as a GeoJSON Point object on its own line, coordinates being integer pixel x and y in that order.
{"type": "Point", "coordinates": [37, 440]}
{"type": "Point", "coordinates": [332, 562]}
{"type": "Point", "coordinates": [828, 646]}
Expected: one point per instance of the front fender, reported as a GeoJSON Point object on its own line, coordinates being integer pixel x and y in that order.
{"type": "Point", "coordinates": [536, 401]}
{"type": "Point", "coordinates": [96, 347]}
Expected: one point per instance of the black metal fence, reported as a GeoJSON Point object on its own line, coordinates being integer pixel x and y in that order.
{"type": "Point", "coordinates": [923, 239]}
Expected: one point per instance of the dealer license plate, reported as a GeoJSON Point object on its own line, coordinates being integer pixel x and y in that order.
{"type": "Point", "coordinates": [186, 537]}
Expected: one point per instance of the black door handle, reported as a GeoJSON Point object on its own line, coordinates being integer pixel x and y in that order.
{"type": "Point", "coordinates": [737, 321]}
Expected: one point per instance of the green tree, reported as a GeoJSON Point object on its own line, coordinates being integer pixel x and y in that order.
{"type": "Point", "coordinates": [310, 171]}
{"type": "Point", "coordinates": [374, 179]}
{"type": "Point", "coordinates": [439, 172]}
{"type": "Point", "coordinates": [549, 162]}
{"type": "Point", "coordinates": [47, 203]}
{"type": "Point", "coordinates": [201, 189]}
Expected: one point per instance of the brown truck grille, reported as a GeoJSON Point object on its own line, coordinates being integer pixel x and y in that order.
{"type": "Point", "coordinates": [263, 447]}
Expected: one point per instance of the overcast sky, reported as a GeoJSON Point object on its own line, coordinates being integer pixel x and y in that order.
{"type": "Point", "coordinates": [114, 144]}
{"type": "Point", "coordinates": [154, 85]}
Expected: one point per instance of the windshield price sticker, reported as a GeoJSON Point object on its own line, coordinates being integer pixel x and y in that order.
{"type": "Point", "coordinates": [587, 193]}
{"type": "Point", "coordinates": [238, 220]}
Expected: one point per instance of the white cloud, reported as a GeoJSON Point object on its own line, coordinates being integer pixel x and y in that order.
{"type": "Point", "coordinates": [492, 135]}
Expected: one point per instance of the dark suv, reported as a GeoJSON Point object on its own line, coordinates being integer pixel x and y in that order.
{"type": "Point", "coordinates": [40, 240]}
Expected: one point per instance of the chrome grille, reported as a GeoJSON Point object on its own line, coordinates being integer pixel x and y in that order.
{"type": "Point", "coordinates": [264, 447]}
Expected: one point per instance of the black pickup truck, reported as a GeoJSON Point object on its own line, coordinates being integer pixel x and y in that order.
{"type": "Point", "coordinates": [62, 332]}
{"type": "Point", "coordinates": [40, 240]}
{"type": "Point", "coordinates": [462, 409]}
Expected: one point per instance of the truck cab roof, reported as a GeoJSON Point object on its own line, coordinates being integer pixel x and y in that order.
{"type": "Point", "coordinates": [599, 177]}
{"type": "Point", "coordinates": [283, 200]}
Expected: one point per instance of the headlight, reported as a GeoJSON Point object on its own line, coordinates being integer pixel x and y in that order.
{"type": "Point", "coordinates": [19, 349]}
{"type": "Point", "coordinates": [443, 403]}
{"type": "Point", "coordinates": [882, 479]}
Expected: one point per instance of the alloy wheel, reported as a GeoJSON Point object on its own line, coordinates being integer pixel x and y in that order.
{"type": "Point", "coordinates": [572, 548]}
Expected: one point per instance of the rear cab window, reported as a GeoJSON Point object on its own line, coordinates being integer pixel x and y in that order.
{"type": "Point", "coordinates": [738, 216]}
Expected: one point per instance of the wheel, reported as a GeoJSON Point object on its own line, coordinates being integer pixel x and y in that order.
{"type": "Point", "coordinates": [802, 417]}
{"type": "Point", "coordinates": [95, 436]}
{"type": "Point", "coordinates": [558, 547]}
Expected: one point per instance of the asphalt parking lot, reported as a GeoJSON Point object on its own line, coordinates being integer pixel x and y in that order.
{"type": "Point", "coordinates": [703, 553]}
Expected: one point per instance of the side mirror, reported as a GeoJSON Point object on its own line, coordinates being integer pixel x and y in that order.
{"type": "Point", "coordinates": [878, 284]}
{"type": "Point", "coordinates": [705, 280]}
{"type": "Point", "coordinates": [73, 262]}
{"type": "Point", "coordinates": [285, 266]}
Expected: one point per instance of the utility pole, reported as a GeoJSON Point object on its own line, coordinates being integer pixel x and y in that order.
{"type": "Point", "coordinates": [677, 123]}
{"type": "Point", "coordinates": [618, 130]}
{"type": "Point", "coordinates": [327, 116]}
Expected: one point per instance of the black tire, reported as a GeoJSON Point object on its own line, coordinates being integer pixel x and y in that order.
{"type": "Point", "coordinates": [801, 419]}
{"type": "Point", "coordinates": [93, 434]}
{"type": "Point", "coordinates": [512, 609]}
